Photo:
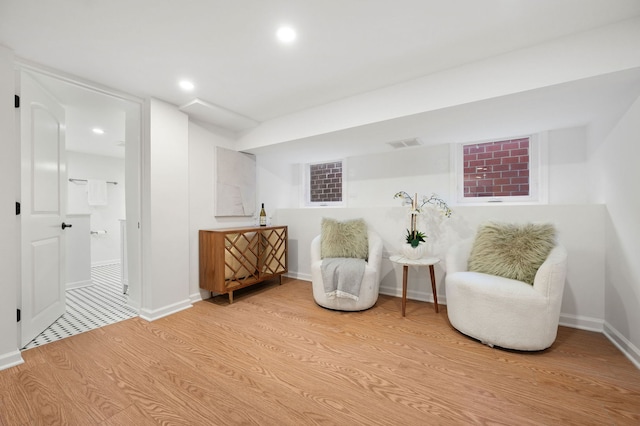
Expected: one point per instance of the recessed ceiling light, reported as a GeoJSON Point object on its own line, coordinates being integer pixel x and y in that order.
{"type": "Point", "coordinates": [98, 131]}
{"type": "Point", "coordinates": [286, 34]}
{"type": "Point", "coordinates": [186, 85]}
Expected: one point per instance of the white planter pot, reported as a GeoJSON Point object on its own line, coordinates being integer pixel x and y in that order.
{"type": "Point", "coordinates": [414, 252]}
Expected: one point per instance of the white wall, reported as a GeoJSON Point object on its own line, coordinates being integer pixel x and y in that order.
{"type": "Point", "coordinates": [78, 251]}
{"type": "Point", "coordinates": [165, 211]}
{"type": "Point", "coordinates": [371, 180]}
{"type": "Point", "coordinates": [568, 168]}
{"type": "Point", "coordinates": [135, 122]}
{"type": "Point", "coordinates": [202, 144]}
{"type": "Point", "coordinates": [105, 248]}
{"type": "Point", "coordinates": [618, 157]}
{"type": "Point", "coordinates": [9, 222]}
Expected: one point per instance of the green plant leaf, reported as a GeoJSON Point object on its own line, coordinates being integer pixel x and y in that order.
{"type": "Point", "coordinates": [415, 238]}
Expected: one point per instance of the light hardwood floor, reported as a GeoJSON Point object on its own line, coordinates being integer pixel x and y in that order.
{"type": "Point", "coordinates": [274, 357]}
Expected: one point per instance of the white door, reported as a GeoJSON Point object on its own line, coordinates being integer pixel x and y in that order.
{"type": "Point", "coordinates": [43, 198]}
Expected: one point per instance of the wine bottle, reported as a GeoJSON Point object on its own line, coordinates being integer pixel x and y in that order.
{"type": "Point", "coordinates": [263, 216]}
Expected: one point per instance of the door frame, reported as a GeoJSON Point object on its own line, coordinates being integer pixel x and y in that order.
{"type": "Point", "coordinates": [134, 163]}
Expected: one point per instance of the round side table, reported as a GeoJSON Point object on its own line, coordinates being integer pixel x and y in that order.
{"type": "Point", "coordinates": [405, 262]}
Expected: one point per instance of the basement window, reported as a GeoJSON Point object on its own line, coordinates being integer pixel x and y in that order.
{"type": "Point", "coordinates": [324, 183]}
{"type": "Point", "coordinates": [502, 170]}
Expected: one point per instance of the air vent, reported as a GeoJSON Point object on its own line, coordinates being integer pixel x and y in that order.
{"type": "Point", "coordinates": [405, 143]}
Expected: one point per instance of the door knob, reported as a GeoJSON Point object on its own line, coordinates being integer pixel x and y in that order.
{"type": "Point", "coordinates": [64, 225]}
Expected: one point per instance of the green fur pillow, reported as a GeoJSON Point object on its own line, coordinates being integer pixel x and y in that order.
{"type": "Point", "coordinates": [344, 239]}
{"type": "Point", "coordinates": [512, 251]}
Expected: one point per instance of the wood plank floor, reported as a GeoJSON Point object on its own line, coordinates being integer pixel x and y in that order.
{"type": "Point", "coordinates": [274, 357]}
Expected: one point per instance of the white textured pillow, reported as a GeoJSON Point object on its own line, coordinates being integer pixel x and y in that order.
{"type": "Point", "coordinates": [510, 250]}
{"type": "Point", "coordinates": [344, 239]}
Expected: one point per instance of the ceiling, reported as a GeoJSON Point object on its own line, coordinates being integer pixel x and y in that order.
{"type": "Point", "coordinates": [88, 109]}
{"type": "Point", "coordinates": [243, 76]}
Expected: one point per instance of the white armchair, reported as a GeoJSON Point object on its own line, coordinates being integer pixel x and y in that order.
{"type": "Point", "coordinates": [501, 311]}
{"type": "Point", "coordinates": [370, 281]}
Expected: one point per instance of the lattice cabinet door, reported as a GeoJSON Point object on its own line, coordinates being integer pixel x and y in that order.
{"type": "Point", "coordinates": [273, 259]}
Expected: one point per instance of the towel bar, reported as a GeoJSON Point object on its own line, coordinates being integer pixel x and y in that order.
{"type": "Point", "coordinates": [85, 180]}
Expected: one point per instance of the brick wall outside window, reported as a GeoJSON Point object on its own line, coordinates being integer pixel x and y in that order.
{"type": "Point", "coordinates": [325, 182]}
{"type": "Point", "coordinates": [497, 169]}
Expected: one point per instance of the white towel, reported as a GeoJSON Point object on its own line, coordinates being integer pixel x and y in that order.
{"type": "Point", "coordinates": [97, 192]}
{"type": "Point", "coordinates": [342, 277]}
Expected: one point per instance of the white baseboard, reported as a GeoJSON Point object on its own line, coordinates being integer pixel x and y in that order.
{"type": "Point", "coordinates": [10, 359]}
{"type": "Point", "coordinates": [79, 284]}
{"type": "Point", "coordinates": [626, 347]}
{"type": "Point", "coordinates": [422, 296]}
{"type": "Point", "coordinates": [298, 276]}
{"type": "Point", "coordinates": [197, 297]}
{"type": "Point", "coordinates": [390, 291]}
{"type": "Point", "coordinates": [581, 322]}
{"type": "Point", "coordinates": [155, 314]}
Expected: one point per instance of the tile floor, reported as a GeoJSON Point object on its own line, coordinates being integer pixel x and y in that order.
{"type": "Point", "coordinates": [90, 307]}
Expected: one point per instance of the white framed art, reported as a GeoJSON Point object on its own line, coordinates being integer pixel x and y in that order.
{"type": "Point", "coordinates": [235, 186]}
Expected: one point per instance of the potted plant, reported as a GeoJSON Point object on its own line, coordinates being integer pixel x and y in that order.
{"type": "Point", "coordinates": [414, 238]}
{"type": "Point", "coordinates": [415, 246]}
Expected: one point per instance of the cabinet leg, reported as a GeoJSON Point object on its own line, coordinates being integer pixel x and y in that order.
{"type": "Point", "coordinates": [230, 297]}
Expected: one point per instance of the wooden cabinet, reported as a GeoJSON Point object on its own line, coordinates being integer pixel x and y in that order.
{"type": "Point", "coordinates": [233, 258]}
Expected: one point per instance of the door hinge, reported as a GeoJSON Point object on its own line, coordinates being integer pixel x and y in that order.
{"type": "Point", "coordinates": [18, 315]}
{"type": "Point", "coordinates": [16, 101]}
{"type": "Point", "coordinates": [17, 208]}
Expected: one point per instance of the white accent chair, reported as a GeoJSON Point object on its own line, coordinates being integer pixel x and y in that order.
{"type": "Point", "coordinates": [370, 281]}
{"type": "Point", "coordinates": [501, 311]}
